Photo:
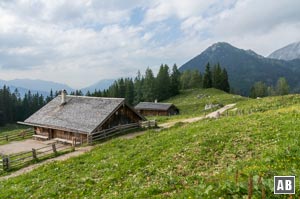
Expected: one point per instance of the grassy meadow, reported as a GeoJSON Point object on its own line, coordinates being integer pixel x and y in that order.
{"type": "Point", "coordinates": [191, 103]}
{"type": "Point", "coordinates": [212, 158]}
{"type": "Point", "coordinates": [11, 130]}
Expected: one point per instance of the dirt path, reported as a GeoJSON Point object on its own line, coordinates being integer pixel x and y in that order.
{"type": "Point", "coordinates": [214, 114]}
{"type": "Point", "coordinates": [77, 152]}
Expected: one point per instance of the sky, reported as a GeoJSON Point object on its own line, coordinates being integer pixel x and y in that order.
{"type": "Point", "coordinates": [79, 42]}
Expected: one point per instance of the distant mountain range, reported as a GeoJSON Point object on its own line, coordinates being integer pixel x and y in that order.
{"type": "Point", "coordinates": [289, 52]}
{"type": "Point", "coordinates": [245, 67]}
{"type": "Point", "coordinates": [44, 87]}
{"type": "Point", "coordinates": [101, 85]}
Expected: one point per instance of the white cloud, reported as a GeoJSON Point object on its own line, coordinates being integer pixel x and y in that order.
{"type": "Point", "coordinates": [82, 41]}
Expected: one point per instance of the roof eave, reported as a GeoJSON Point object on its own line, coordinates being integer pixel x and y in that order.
{"type": "Point", "coordinates": [53, 127]}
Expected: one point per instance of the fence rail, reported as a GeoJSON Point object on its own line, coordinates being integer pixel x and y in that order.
{"type": "Point", "coordinates": [16, 136]}
{"type": "Point", "coordinates": [15, 161]}
{"type": "Point", "coordinates": [108, 133]}
{"type": "Point", "coordinates": [148, 124]}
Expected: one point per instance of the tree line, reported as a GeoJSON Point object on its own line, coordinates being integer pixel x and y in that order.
{"type": "Point", "coordinates": [14, 108]}
{"type": "Point", "coordinates": [260, 89]}
{"type": "Point", "coordinates": [165, 84]}
{"type": "Point", "coordinates": [147, 87]}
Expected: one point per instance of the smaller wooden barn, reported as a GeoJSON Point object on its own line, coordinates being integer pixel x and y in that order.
{"type": "Point", "coordinates": [154, 108]}
{"type": "Point", "coordinates": [67, 117]}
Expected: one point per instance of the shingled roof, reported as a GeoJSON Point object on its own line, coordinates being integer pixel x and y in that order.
{"type": "Point", "coordinates": [153, 106]}
{"type": "Point", "coordinates": [79, 113]}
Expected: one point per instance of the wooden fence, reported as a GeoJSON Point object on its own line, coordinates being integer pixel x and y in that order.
{"type": "Point", "coordinates": [17, 136]}
{"type": "Point", "coordinates": [108, 133]}
{"type": "Point", "coordinates": [238, 112]}
{"type": "Point", "coordinates": [1, 165]}
{"type": "Point", "coordinates": [148, 124]}
{"type": "Point", "coordinates": [19, 160]}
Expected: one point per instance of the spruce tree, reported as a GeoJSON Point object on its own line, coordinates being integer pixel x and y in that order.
{"type": "Point", "coordinates": [149, 86]}
{"type": "Point", "coordinates": [129, 94]}
{"type": "Point", "coordinates": [163, 83]}
{"type": "Point", "coordinates": [217, 79]}
{"type": "Point", "coordinates": [225, 86]}
{"type": "Point", "coordinates": [207, 78]}
{"type": "Point", "coordinates": [138, 86]}
{"type": "Point", "coordinates": [175, 81]}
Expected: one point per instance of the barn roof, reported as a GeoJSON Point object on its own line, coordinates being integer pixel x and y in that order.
{"type": "Point", "coordinates": [153, 106]}
{"type": "Point", "coordinates": [79, 113]}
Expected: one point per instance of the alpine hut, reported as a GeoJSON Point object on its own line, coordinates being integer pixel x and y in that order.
{"type": "Point", "coordinates": [155, 108]}
{"type": "Point", "coordinates": [67, 117]}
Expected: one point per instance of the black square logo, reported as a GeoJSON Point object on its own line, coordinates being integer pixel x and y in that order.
{"type": "Point", "coordinates": [284, 184]}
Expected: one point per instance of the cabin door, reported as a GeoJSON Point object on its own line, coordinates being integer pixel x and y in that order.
{"type": "Point", "coordinates": [50, 134]}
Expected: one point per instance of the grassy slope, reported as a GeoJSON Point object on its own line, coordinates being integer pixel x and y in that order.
{"type": "Point", "coordinates": [190, 105]}
{"type": "Point", "coordinates": [10, 129]}
{"type": "Point", "coordinates": [198, 160]}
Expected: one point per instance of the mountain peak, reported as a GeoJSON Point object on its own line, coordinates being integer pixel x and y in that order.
{"type": "Point", "coordinates": [289, 52]}
{"type": "Point", "coordinates": [244, 67]}
{"type": "Point", "coordinates": [219, 45]}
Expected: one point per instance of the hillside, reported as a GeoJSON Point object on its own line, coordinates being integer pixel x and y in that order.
{"type": "Point", "coordinates": [289, 52]}
{"type": "Point", "coordinates": [206, 159]}
{"type": "Point", "coordinates": [246, 67]}
{"type": "Point", "coordinates": [191, 102]}
{"type": "Point", "coordinates": [100, 85]}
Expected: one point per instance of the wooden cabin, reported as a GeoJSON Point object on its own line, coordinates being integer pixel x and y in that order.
{"type": "Point", "coordinates": [154, 108]}
{"type": "Point", "coordinates": [66, 117]}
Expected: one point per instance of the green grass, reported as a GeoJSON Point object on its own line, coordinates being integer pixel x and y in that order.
{"type": "Point", "coordinates": [211, 158]}
{"type": "Point", "coordinates": [11, 130]}
{"type": "Point", "coordinates": [191, 102]}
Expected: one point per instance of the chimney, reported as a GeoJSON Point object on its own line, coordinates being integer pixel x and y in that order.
{"type": "Point", "coordinates": [155, 101]}
{"type": "Point", "coordinates": [63, 97]}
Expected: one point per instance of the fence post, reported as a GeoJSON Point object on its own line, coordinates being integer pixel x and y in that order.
{"type": "Point", "coordinates": [250, 187]}
{"type": "Point", "coordinates": [54, 149]}
{"type": "Point", "coordinates": [6, 137]}
{"type": "Point", "coordinates": [73, 143]}
{"type": "Point", "coordinates": [6, 163]}
{"type": "Point", "coordinates": [89, 139]}
{"type": "Point", "coordinates": [34, 154]}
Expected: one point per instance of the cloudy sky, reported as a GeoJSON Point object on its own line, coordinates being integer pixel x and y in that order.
{"type": "Point", "coordinates": [79, 42]}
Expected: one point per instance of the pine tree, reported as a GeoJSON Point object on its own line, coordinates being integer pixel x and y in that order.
{"type": "Point", "coordinates": [129, 94]}
{"type": "Point", "coordinates": [207, 78]}
{"type": "Point", "coordinates": [175, 81]}
{"type": "Point", "coordinates": [138, 86]}
{"type": "Point", "coordinates": [225, 86]}
{"type": "Point", "coordinates": [217, 79]}
{"type": "Point", "coordinates": [163, 83]}
{"type": "Point", "coordinates": [149, 86]}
